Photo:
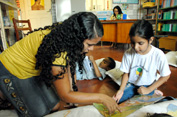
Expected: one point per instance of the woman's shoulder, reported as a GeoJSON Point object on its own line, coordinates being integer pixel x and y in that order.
{"type": "Point", "coordinates": [35, 37]}
{"type": "Point", "coordinates": [39, 33]}
{"type": "Point", "coordinates": [45, 31]}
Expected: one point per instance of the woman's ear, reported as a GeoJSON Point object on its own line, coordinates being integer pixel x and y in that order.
{"type": "Point", "coordinates": [151, 40]}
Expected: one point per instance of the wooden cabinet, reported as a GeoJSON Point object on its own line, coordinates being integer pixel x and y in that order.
{"type": "Point", "coordinates": [169, 43]}
{"type": "Point", "coordinates": [123, 32]}
{"type": "Point", "coordinates": [109, 32]}
{"type": "Point", "coordinates": [8, 10]}
{"type": "Point", "coordinates": [117, 30]}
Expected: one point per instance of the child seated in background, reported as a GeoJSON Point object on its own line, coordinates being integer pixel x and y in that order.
{"type": "Point", "coordinates": [91, 70]}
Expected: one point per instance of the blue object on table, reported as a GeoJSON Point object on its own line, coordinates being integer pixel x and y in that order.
{"type": "Point", "coordinates": [124, 16]}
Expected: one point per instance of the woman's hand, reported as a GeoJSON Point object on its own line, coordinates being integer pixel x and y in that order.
{"type": "Point", "coordinates": [118, 96]}
{"type": "Point", "coordinates": [143, 90]}
{"type": "Point", "coordinates": [110, 103]}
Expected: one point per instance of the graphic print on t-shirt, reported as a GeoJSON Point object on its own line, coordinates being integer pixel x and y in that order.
{"type": "Point", "coordinates": [138, 74]}
{"type": "Point", "coordinates": [139, 71]}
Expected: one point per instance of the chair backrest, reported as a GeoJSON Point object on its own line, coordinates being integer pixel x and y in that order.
{"type": "Point", "coordinates": [18, 28]}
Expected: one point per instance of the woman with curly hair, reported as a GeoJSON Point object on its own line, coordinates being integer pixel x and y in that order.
{"type": "Point", "coordinates": [39, 70]}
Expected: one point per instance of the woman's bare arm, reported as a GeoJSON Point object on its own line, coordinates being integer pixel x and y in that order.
{"type": "Point", "coordinates": [65, 93]}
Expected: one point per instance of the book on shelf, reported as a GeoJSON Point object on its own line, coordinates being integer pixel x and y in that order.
{"type": "Point", "coordinates": [159, 26]}
{"type": "Point", "coordinates": [175, 14]}
{"type": "Point", "coordinates": [156, 2]}
{"type": "Point", "coordinates": [172, 3]}
{"type": "Point", "coordinates": [174, 28]}
{"type": "Point", "coordinates": [168, 3]}
{"type": "Point", "coordinates": [150, 16]}
{"type": "Point", "coordinates": [170, 15]}
{"type": "Point", "coordinates": [169, 27]}
{"type": "Point", "coordinates": [175, 3]}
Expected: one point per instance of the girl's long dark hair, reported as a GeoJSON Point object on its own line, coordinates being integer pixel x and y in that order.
{"type": "Point", "coordinates": [67, 37]}
{"type": "Point", "coordinates": [143, 29]}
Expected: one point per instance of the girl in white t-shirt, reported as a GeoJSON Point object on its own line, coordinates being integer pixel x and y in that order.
{"type": "Point", "coordinates": [141, 63]}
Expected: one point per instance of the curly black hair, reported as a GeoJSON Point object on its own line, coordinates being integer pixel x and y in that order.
{"type": "Point", "coordinates": [67, 37]}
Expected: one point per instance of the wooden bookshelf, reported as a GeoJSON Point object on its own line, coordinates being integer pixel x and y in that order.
{"type": "Point", "coordinates": [169, 8]}
{"type": "Point", "coordinates": [167, 20]}
{"type": "Point", "coordinates": [7, 32]}
{"type": "Point", "coordinates": [167, 25]}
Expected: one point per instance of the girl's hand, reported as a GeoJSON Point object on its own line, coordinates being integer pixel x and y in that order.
{"type": "Point", "coordinates": [91, 58]}
{"type": "Point", "coordinates": [110, 103]}
{"type": "Point", "coordinates": [118, 96]}
{"type": "Point", "coordinates": [143, 90]}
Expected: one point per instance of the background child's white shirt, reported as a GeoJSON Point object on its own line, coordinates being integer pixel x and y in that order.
{"type": "Point", "coordinates": [88, 72]}
{"type": "Point", "coordinates": [142, 69]}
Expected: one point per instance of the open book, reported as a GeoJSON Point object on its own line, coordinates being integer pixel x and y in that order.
{"type": "Point", "coordinates": [130, 105]}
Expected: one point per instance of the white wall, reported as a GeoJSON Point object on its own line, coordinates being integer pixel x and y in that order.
{"type": "Point", "coordinates": [65, 8]}
{"type": "Point", "coordinates": [78, 6]}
